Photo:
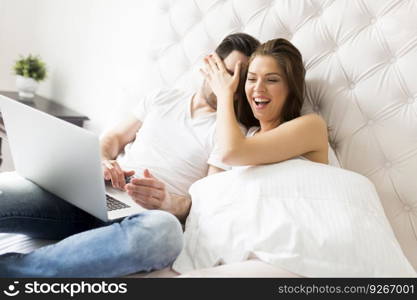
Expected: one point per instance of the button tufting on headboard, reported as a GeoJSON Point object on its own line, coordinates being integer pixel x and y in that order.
{"type": "Point", "coordinates": [361, 61]}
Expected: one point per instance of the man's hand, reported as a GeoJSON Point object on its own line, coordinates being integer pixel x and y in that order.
{"type": "Point", "coordinates": [113, 172]}
{"type": "Point", "coordinates": [149, 192]}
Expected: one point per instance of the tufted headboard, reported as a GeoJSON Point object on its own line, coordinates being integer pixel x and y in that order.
{"type": "Point", "coordinates": [361, 61]}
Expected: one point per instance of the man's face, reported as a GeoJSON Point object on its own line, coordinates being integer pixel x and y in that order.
{"type": "Point", "coordinates": [230, 62]}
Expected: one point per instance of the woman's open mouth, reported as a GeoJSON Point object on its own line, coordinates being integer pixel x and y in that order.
{"type": "Point", "coordinates": [261, 103]}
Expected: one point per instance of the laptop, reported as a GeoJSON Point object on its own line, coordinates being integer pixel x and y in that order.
{"type": "Point", "coordinates": [63, 159]}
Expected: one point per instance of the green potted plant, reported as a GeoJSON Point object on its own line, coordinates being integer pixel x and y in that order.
{"type": "Point", "coordinates": [30, 71]}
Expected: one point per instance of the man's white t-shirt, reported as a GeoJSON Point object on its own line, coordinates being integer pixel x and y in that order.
{"type": "Point", "coordinates": [176, 148]}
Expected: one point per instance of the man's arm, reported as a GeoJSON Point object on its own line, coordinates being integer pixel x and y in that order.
{"type": "Point", "coordinates": [112, 144]}
{"type": "Point", "coordinates": [183, 203]}
{"type": "Point", "coordinates": [113, 141]}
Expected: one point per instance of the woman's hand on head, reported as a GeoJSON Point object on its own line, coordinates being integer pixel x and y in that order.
{"type": "Point", "coordinates": [223, 84]}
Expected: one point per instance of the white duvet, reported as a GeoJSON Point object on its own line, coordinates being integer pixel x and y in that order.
{"type": "Point", "coordinates": [312, 219]}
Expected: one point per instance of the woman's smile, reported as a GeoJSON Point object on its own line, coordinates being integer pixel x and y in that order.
{"type": "Point", "coordinates": [261, 102]}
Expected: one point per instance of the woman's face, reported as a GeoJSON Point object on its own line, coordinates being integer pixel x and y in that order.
{"type": "Point", "coordinates": [266, 88]}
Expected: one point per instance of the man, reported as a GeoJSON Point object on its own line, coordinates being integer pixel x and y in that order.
{"type": "Point", "coordinates": [167, 143]}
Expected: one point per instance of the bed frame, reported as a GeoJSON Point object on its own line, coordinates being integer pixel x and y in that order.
{"type": "Point", "coordinates": [361, 61]}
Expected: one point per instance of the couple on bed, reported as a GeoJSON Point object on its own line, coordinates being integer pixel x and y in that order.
{"type": "Point", "coordinates": [172, 139]}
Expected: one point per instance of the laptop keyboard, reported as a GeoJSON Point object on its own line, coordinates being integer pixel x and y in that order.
{"type": "Point", "coordinates": [113, 204]}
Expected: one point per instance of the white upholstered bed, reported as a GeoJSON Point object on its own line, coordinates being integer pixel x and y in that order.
{"type": "Point", "coordinates": [361, 61]}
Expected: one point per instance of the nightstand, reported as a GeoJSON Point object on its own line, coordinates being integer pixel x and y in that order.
{"type": "Point", "coordinates": [43, 104]}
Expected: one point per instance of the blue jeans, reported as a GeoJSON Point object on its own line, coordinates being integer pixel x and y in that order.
{"type": "Point", "coordinates": [89, 247]}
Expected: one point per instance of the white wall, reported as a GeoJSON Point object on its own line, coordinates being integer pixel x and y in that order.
{"type": "Point", "coordinates": [95, 51]}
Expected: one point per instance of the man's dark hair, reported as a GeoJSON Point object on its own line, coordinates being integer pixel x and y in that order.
{"type": "Point", "coordinates": [241, 42]}
{"type": "Point", "coordinates": [246, 44]}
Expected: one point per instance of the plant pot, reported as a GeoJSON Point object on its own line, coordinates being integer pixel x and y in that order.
{"type": "Point", "coordinates": [26, 87]}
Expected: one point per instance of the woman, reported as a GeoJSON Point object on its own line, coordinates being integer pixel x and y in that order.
{"type": "Point", "coordinates": [274, 89]}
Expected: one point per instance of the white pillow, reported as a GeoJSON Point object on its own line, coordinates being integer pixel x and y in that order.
{"type": "Point", "coordinates": [312, 219]}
